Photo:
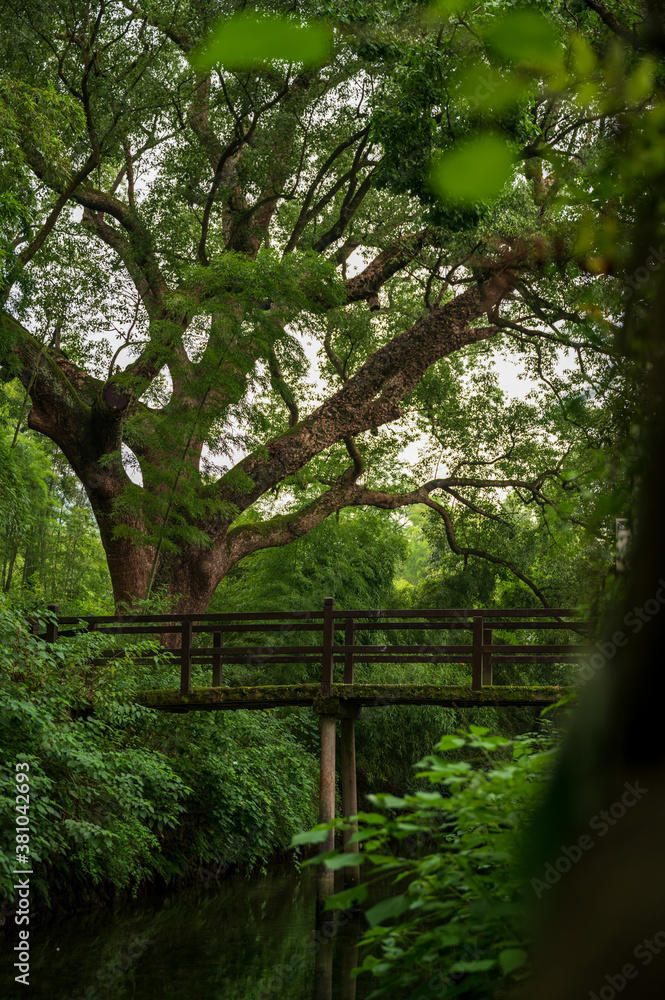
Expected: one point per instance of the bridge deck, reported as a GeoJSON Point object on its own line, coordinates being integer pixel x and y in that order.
{"type": "Point", "coordinates": [346, 699]}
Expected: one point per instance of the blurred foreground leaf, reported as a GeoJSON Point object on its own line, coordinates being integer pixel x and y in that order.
{"type": "Point", "coordinates": [474, 172]}
{"type": "Point", "coordinates": [246, 42]}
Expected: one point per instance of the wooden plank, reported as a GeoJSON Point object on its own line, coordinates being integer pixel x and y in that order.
{"type": "Point", "coordinates": [252, 616]}
{"type": "Point", "coordinates": [537, 649]}
{"type": "Point", "coordinates": [462, 613]}
{"type": "Point", "coordinates": [348, 776]}
{"type": "Point", "coordinates": [477, 655]}
{"type": "Point", "coordinates": [540, 625]}
{"type": "Point", "coordinates": [349, 642]}
{"type": "Point", "coordinates": [137, 629]}
{"type": "Point", "coordinates": [542, 658]}
{"type": "Point", "coordinates": [244, 616]}
{"type": "Point", "coordinates": [356, 695]}
{"type": "Point", "coordinates": [328, 639]}
{"type": "Point", "coordinates": [487, 656]}
{"type": "Point", "coordinates": [463, 626]}
{"type": "Point", "coordinates": [466, 647]}
{"type": "Point", "coordinates": [218, 639]}
{"type": "Point", "coordinates": [186, 658]}
{"type": "Point", "coordinates": [52, 626]}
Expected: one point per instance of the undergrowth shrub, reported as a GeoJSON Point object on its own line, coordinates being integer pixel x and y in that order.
{"type": "Point", "coordinates": [449, 857]}
{"type": "Point", "coordinates": [121, 795]}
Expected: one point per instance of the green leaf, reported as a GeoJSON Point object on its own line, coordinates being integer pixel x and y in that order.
{"type": "Point", "coordinates": [387, 908]}
{"type": "Point", "coordinates": [349, 897]}
{"type": "Point", "coordinates": [345, 860]}
{"type": "Point", "coordinates": [315, 836]}
{"type": "Point", "coordinates": [441, 10]}
{"type": "Point", "coordinates": [361, 835]}
{"type": "Point", "coordinates": [480, 965]}
{"type": "Point", "coordinates": [640, 83]}
{"type": "Point", "coordinates": [246, 41]}
{"type": "Point", "coordinates": [511, 959]}
{"type": "Point", "coordinates": [526, 36]}
{"type": "Point", "coordinates": [449, 743]}
{"type": "Point", "coordinates": [387, 801]}
{"type": "Point", "coordinates": [583, 58]}
{"type": "Point", "coordinates": [486, 91]}
{"type": "Point", "coordinates": [475, 171]}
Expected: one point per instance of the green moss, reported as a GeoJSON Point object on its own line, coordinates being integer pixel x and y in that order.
{"type": "Point", "coordinates": [352, 695]}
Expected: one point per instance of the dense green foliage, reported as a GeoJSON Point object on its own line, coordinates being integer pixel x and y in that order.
{"type": "Point", "coordinates": [454, 919]}
{"type": "Point", "coordinates": [125, 796]}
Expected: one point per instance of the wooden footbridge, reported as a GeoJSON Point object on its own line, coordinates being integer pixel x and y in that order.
{"type": "Point", "coordinates": [187, 639]}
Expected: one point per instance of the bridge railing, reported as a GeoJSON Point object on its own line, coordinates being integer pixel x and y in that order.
{"type": "Point", "coordinates": [483, 653]}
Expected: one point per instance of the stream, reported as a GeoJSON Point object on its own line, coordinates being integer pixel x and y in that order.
{"type": "Point", "coordinates": [243, 938]}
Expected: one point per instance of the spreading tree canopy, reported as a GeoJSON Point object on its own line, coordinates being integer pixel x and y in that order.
{"type": "Point", "coordinates": [189, 196]}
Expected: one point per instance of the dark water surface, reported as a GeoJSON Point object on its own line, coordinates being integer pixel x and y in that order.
{"type": "Point", "coordinates": [239, 939]}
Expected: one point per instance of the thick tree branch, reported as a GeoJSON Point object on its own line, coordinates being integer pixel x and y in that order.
{"type": "Point", "coordinates": [612, 22]}
{"type": "Point", "coordinates": [371, 396]}
{"type": "Point", "coordinates": [394, 258]}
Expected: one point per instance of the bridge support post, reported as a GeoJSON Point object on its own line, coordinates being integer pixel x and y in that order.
{"type": "Point", "coordinates": [348, 761]}
{"type": "Point", "coordinates": [326, 877]}
{"type": "Point", "coordinates": [349, 793]}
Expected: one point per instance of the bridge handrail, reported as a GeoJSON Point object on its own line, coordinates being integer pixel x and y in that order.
{"type": "Point", "coordinates": [482, 652]}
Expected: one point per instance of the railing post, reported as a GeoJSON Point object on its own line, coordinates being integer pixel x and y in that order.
{"type": "Point", "coordinates": [52, 627]}
{"type": "Point", "coordinates": [186, 658]}
{"type": "Point", "coordinates": [348, 760]}
{"type": "Point", "coordinates": [477, 655]}
{"type": "Point", "coordinates": [328, 640]}
{"type": "Point", "coordinates": [487, 656]}
{"type": "Point", "coordinates": [217, 641]}
{"type": "Point", "coordinates": [349, 640]}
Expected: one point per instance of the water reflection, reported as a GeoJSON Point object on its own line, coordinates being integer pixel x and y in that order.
{"type": "Point", "coordinates": [240, 939]}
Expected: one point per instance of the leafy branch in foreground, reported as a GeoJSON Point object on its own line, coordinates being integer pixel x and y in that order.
{"type": "Point", "coordinates": [449, 854]}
